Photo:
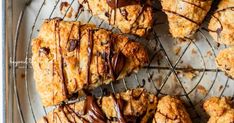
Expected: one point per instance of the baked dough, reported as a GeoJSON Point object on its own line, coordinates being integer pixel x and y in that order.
{"type": "Point", "coordinates": [225, 61]}
{"type": "Point", "coordinates": [70, 56]}
{"type": "Point", "coordinates": [132, 106]}
{"type": "Point", "coordinates": [171, 110]}
{"type": "Point", "coordinates": [221, 25]}
{"type": "Point", "coordinates": [220, 110]}
{"type": "Point", "coordinates": [185, 16]}
{"type": "Point", "coordinates": [130, 16]}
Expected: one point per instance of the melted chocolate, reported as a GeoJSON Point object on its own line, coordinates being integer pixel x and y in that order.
{"type": "Point", "coordinates": [90, 53]}
{"type": "Point", "coordinates": [114, 4]}
{"type": "Point", "coordinates": [73, 43]}
{"type": "Point", "coordinates": [93, 110]}
{"type": "Point", "coordinates": [44, 50]}
{"type": "Point", "coordinates": [118, 108]}
{"type": "Point", "coordinates": [124, 13]}
{"type": "Point", "coordinates": [76, 114]}
{"type": "Point", "coordinates": [57, 30]}
{"type": "Point", "coordinates": [122, 3]}
{"type": "Point", "coordinates": [118, 63]}
{"type": "Point", "coordinates": [65, 114]}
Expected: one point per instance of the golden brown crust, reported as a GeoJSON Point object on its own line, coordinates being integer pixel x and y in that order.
{"type": "Point", "coordinates": [135, 19]}
{"type": "Point", "coordinates": [221, 24]}
{"type": "Point", "coordinates": [225, 61]}
{"type": "Point", "coordinates": [63, 65]}
{"type": "Point", "coordinates": [185, 16]}
{"type": "Point", "coordinates": [133, 105]}
{"type": "Point", "coordinates": [171, 110]}
{"type": "Point", "coordinates": [219, 109]}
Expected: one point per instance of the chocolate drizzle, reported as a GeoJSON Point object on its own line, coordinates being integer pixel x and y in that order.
{"type": "Point", "coordinates": [118, 4]}
{"type": "Point", "coordinates": [44, 50]}
{"type": "Point", "coordinates": [90, 53]}
{"type": "Point", "coordinates": [122, 3]}
{"type": "Point", "coordinates": [119, 109]}
{"type": "Point", "coordinates": [116, 61]}
{"type": "Point", "coordinates": [76, 114]}
{"type": "Point", "coordinates": [93, 110]}
{"type": "Point", "coordinates": [57, 30]}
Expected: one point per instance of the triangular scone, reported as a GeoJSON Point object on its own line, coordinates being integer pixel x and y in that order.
{"type": "Point", "coordinates": [185, 16]}
{"type": "Point", "coordinates": [171, 110]}
{"type": "Point", "coordinates": [225, 61]}
{"type": "Point", "coordinates": [133, 106]}
{"type": "Point", "coordinates": [220, 110]}
{"type": "Point", "coordinates": [70, 56]}
{"type": "Point", "coordinates": [221, 26]}
{"type": "Point", "coordinates": [130, 16]}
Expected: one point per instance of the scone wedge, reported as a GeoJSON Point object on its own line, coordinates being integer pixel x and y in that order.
{"type": "Point", "coordinates": [221, 110]}
{"type": "Point", "coordinates": [221, 26]}
{"type": "Point", "coordinates": [132, 106]}
{"type": "Point", "coordinates": [171, 110]}
{"type": "Point", "coordinates": [225, 61]}
{"type": "Point", "coordinates": [70, 56]}
{"type": "Point", "coordinates": [130, 16]}
{"type": "Point", "coordinates": [185, 16]}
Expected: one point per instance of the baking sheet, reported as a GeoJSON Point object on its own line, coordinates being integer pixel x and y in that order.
{"type": "Point", "coordinates": [199, 54]}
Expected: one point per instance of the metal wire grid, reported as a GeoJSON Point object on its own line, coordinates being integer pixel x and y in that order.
{"type": "Point", "coordinates": [159, 49]}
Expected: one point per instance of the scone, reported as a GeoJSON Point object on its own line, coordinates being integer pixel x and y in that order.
{"type": "Point", "coordinates": [130, 16]}
{"type": "Point", "coordinates": [171, 110]}
{"type": "Point", "coordinates": [221, 25]}
{"type": "Point", "coordinates": [185, 16]}
{"type": "Point", "coordinates": [70, 56]}
{"type": "Point", "coordinates": [132, 106]}
{"type": "Point", "coordinates": [225, 61]}
{"type": "Point", "coordinates": [220, 110]}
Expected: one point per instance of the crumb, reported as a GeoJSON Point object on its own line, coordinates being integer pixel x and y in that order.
{"type": "Point", "coordinates": [180, 40]}
{"type": "Point", "coordinates": [201, 89]}
{"type": "Point", "coordinates": [209, 53]}
{"type": "Point", "coordinates": [177, 50]}
{"type": "Point", "coordinates": [194, 51]}
{"type": "Point", "coordinates": [63, 8]}
{"type": "Point", "coordinates": [189, 73]}
{"type": "Point", "coordinates": [220, 87]}
{"type": "Point", "coordinates": [159, 80]}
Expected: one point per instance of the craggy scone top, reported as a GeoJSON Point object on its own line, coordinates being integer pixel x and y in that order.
{"type": "Point", "coordinates": [225, 61]}
{"type": "Point", "coordinates": [132, 106]}
{"type": "Point", "coordinates": [221, 110]}
{"type": "Point", "coordinates": [130, 16]}
{"type": "Point", "coordinates": [70, 56]}
{"type": "Point", "coordinates": [221, 26]}
{"type": "Point", "coordinates": [185, 16]}
{"type": "Point", "coordinates": [171, 110]}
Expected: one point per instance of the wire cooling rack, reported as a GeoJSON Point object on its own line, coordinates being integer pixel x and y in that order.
{"type": "Point", "coordinates": [182, 68]}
